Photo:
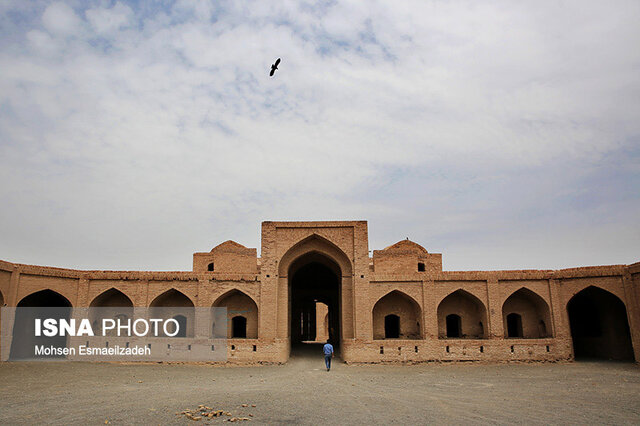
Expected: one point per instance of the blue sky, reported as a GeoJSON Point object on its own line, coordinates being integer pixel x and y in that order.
{"type": "Point", "coordinates": [503, 134]}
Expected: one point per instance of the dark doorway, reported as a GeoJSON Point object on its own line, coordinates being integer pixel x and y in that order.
{"type": "Point", "coordinates": [41, 305]}
{"type": "Point", "coordinates": [182, 326]}
{"type": "Point", "coordinates": [239, 327]}
{"type": "Point", "coordinates": [391, 327]}
{"type": "Point", "coordinates": [454, 326]}
{"type": "Point", "coordinates": [313, 278]}
{"type": "Point", "coordinates": [514, 325]}
{"type": "Point", "coordinates": [599, 326]}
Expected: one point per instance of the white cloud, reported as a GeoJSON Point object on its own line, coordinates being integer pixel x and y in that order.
{"type": "Point", "coordinates": [59, 18]}
{"type": "Point", "coordinates": [106, 20]}
{"type": "Point", "coordinates": [159, 132]}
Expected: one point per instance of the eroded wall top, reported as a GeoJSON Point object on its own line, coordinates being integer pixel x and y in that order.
{"type": "Point", "coordinates": [228, 257]}
{"type": "Point", "coordinates": [406, 257]}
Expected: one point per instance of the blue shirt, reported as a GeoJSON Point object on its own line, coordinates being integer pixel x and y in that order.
{"type": "Point", "coordinates": [327, 349]}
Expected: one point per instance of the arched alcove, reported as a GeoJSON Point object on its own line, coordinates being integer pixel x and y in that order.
{"type": "Point", "coordinates": [514, 325]}
{"type": "Point", "coordinates": [39, 305]}
{"type": "Point", "coordinates": [173, 303]}
{"type": "Point", "coordinates": [311, 271]}
{"type": "Point", "coordinates": [599, 325]}
{"type": "Point", "coordinates": [471, 312]}
{"type": "Point", "coordinates": [403, 307]}
{"type": "Point", "coordinates": [239, 327]}
{"type": "Point", "coordinates": [454, 326]}
{"type": "Point", "coordinates": [110, 304]}
{"type": "Point", "coordinates": [391, 326]}
{"type": "Point", "coordinates": [534, 315]}
{"type": "Point", "coordinates": [238, 305]}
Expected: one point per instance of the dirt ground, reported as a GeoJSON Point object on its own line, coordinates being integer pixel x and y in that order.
{"type": "Point", "coordinates": [303, 392]}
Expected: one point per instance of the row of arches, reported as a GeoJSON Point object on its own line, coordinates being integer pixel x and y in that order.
{"type": "Point", "coordinates": [242, 311]}
{"type": "Point", "coordinates": [597, 318]}
{"type": "Point", "coordinates": [462, 315]}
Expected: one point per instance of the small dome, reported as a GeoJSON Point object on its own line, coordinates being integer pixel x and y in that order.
{"type": "Point", "coordinates": [406, 245]}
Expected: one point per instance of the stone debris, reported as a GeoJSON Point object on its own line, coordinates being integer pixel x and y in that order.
{"type": "Point", "coordinates": [206, 413]}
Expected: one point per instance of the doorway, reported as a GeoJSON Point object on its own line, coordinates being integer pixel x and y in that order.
{"type": "Point", "coordinates": [314, 281]}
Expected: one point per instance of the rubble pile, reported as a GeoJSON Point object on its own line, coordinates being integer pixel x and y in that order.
{"type": "Point", "coordinates": [204, 412]}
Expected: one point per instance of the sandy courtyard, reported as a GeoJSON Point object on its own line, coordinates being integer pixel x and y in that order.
{"type": "Point", "coordinates": [303, 392]}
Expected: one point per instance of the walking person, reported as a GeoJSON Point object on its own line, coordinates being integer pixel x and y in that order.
{"type": "Point", "coordinates": [328, 354]}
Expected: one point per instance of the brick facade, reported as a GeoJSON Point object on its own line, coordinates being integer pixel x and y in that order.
{"type": "Point", "coordinates": [396, 306]}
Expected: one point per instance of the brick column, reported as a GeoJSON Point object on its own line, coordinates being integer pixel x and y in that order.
{"type": "Point", "coordinates": [362, 319]}
{"type": "Point", "coordinates": [82, 293]}
{"type": "Point", "coordinates": [361, 310]}
{"type": "Point", "coordinates": [632, 312]}
{"type": "Point", "coordinates": [494, 315]}
{"type": "Point", "coordinates": [429, 310]}
{"type": "Point", "coordinates": [269, 310]}
{"type": "Point", "coordinates": [12, 299]}
{"type": "Point", "coordinates": [560, 320]}
{"type": "Point", "coordinates": [559, 315]}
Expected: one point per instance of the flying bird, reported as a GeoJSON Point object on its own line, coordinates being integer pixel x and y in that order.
{"type": "Point", "coordinates": [274, 67]}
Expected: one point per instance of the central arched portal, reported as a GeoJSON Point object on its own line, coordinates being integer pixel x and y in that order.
{"type": "Point", "coordinates": [314, 286]}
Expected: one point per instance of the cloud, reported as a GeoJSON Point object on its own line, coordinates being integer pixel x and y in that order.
{"type": "Point", "coordinates": [133, 134]}
{"type": "Point", "coordinates": [59, 18]}
{"type": "Point", "coordinates": [105, 20]}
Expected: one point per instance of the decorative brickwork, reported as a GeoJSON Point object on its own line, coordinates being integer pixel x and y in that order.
{"type": "Point", "coordinates": [316, 280]}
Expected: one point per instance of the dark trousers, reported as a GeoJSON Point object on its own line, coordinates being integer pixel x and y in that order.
{"type": "Point", "coordinates": [327, 361]}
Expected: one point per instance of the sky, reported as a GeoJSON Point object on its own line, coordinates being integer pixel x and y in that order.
{"type": "Point", "coordinates": [505, 135]}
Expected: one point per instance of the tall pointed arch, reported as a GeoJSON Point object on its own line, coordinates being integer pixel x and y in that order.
{"type": "Point", "coordinates": [49, 303]}
{"type": "Point", "coordinates": [471, 312]}
{"type": "Point", "coordinates": [396, 315]}
{"type": "Point", "coordinates": [315, 270]}
{"type": "Point", "coordinates": [526, 314]}
{"type": "Point", "coordinates": [110, 304]}
{"type": "Point", "coordinates": [111, 298]}
{"type": "Point", "coordinates": [177, 305]}
{"type": "Point", "coordinates": [599, 325]}
{"type": "Point", "coordinates": [242, 314]}
{"type": "Point", "coordinates": [314, 244]}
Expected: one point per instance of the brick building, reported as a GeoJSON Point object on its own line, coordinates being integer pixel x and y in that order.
{"type": "Point", "coordinates": [317, 279]}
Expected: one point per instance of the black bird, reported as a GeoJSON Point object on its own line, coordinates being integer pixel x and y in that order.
{"type": "Point", "coordinates": [274, 67]}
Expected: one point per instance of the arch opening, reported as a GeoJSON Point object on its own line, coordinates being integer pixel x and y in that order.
{"type": "Point", "coordinates": [454, 326]}
{"type": "Point", "coordinates": [239, 327]}
{"type": "Point", "coordinates": [471, 312]}
{"type": "Point", "coordinates": [533, 313]}
{"type": "Point", "coordinates": [322, 322]}
{"type": "Point", "coordinates": [314, 282]}
{"type": "Point", "coordinates": [599, 326]}
{"type": "Point", "coordinates": [111, 304]}
{"type": "Point", "coordinates": [396, 316]}
{"type": "Point", "coordinates": [182, 326]}
{"type": "Point", "coordinates": [40, 305]}
{"type": "Point", "coordinates": [391, 327]}
{"type": "Point", "coordinates": [239, 305]}
{"type": "Point", "coordinates": [175, 304]}
{"type": "Point", "coordinates": [514, 325]}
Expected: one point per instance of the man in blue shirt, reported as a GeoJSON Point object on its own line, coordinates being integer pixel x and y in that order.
{"type": "Point", "coordinates": [328, 354]}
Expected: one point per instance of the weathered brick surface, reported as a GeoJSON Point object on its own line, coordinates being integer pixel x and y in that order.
{"type": "Point", "coordinates": [403, 280]}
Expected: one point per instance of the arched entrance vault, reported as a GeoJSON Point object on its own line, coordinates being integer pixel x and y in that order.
{"type": "Point", "coordinates": [599, 325]}
{"type": "Point", "coordinates": [314, 271]}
